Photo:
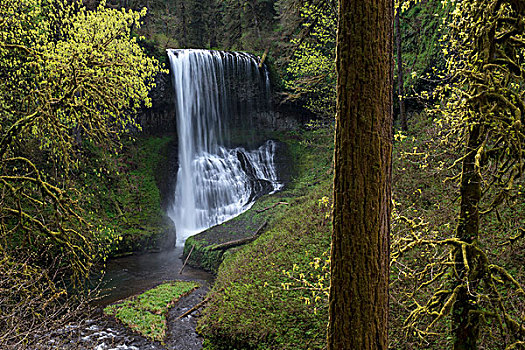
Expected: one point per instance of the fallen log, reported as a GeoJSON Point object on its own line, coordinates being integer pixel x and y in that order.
{"type": "Point", "coordinates": [187, 258]}
{"type": "Point", "coordinates": [270, 207]}
{"type": "Point", "coordinates": [238, 242]}
{"type": "Point", "coordinates": [195, 308]}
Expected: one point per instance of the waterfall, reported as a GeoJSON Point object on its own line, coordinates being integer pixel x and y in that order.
{"type": "Point", "coordinates": [216, 95]}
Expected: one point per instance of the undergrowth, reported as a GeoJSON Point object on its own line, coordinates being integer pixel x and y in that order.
{"type": "Point", "coordinates": [426, 207]}
{"type": "Point", "coordinates": [271, 294]}
{"type": "Point", "coordinates": [121, 196]}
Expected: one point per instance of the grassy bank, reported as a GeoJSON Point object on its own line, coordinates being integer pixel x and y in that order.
{"type": "Point", "coordinates": [146, 313]}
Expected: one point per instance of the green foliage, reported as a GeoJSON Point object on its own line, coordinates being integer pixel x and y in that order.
{"type": "Point", "coordinates": [310, 72]}
{"type": "Point", "coordinates": [120, 194]}
{"type": "Point", "coordinates": [147, 312]}
{"type": "Point", "coordinates": [423, 205]}
{"type": "Point", "coordinates": [314, 278]}
{"type": "Point", "coordinates": [202, 256]}
{"type": "Point", "coordinates": [423, 24]}
{"type": "Point", "coordinates": [247, 25]}
{"type": "Point", "coordinates": [483, 111]}
{"type": "Point", "coordinates": [77, 70]}
{"type": "Point", "coordinates": [425, 211]}
{"type": "Point", "coordinates": [311, 69]}
{"type": "Point", "coordinates": [69, 75]}
{"type": "Point", "coordinates": [250, 308]}
{"type": "Point", "coordinates": [480, 118]}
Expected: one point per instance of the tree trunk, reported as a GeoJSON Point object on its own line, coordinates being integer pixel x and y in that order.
{"type": "Point", "coordinates": [400, 79]}
{"type": "Point", "coordinates": [358, 302]}
{"type": "Point", "coordinates": [465, 323]}
{"type": "Point", "coordinates": [184, 36]}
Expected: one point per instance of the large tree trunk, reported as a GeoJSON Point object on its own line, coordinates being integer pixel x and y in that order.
{"type": "Point", "coordinates": [358, 310]}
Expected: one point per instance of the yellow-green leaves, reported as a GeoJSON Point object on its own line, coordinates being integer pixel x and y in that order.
{"type": "Point", "coordinates": [79, 71]}
{"type": "Point", "coordinates": [67, 75]}
{"type": "Point", "coordinates": [312, 67]}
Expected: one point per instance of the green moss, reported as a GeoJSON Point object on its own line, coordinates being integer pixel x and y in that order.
{"type": "Point", "coordinates": [146, 313]}
{"type": "Point", "coordinates": [149, 325]}
{"type": "Point", "coordinates": [159, 299]}
{"type": "Point", "coordinates": [201, 255]}
{"type": "Point", "coordinates": [251, 308]}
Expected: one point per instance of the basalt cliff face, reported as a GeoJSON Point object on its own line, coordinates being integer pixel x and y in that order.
{"type": "Point", "coordinates": [159, 119]}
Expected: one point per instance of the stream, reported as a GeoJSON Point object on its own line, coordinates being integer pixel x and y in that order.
{"type": "Point", "coordinates": [134, 274]}
{"type": "Point", "coordinates": [129, 276]}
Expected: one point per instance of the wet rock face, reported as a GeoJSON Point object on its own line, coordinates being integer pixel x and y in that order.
{"type": "Point", "coordinates": [259, 186]}
{"type": "Point", "coordinates": [290, 115]}
{"type": "Point", "coordinates": [165, 173]}
{"type": "Point", "coordinates": [159, 118]}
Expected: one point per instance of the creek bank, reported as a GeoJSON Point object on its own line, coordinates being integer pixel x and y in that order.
{"type": "Point", "coordinates": [99, 332]}
{"type": "Point", "coordinates": [125, 277]}
{"type": "Point", "coordinates": [130, 200]}
{"type": "Point", "coordinates": [207, 253]}
{"type": "Point", "coordinates": [133, 275]}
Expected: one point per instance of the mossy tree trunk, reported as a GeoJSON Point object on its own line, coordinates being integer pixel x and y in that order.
{"type": "Point", "coordinates": [465, 321]}
{"type": "Point", "coordinates": [358, 302]}
{"type": "Point", "coordinates": [494, 102]}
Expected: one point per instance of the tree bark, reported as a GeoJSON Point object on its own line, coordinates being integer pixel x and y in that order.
{"type": "Point", "coordinates": [465, 322]}
{"type": "Point", "coordinates": [400, 77]}
{"type": "Point", "coordinates": [358, 302]}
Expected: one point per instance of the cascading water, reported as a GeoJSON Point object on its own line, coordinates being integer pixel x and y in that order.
{"type": "Point", "coordinates": [216, 95]}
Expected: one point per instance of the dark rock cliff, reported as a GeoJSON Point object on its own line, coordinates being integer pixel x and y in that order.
{"type": "Point", "coordinates": [160, 118]}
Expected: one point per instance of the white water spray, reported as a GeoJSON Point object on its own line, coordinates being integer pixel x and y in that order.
{"type": "Point", "coordinates": [215, 182]}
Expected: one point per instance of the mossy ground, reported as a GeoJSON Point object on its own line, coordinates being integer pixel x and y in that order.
{"type": "Point", "coordinates": [146, 313]}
